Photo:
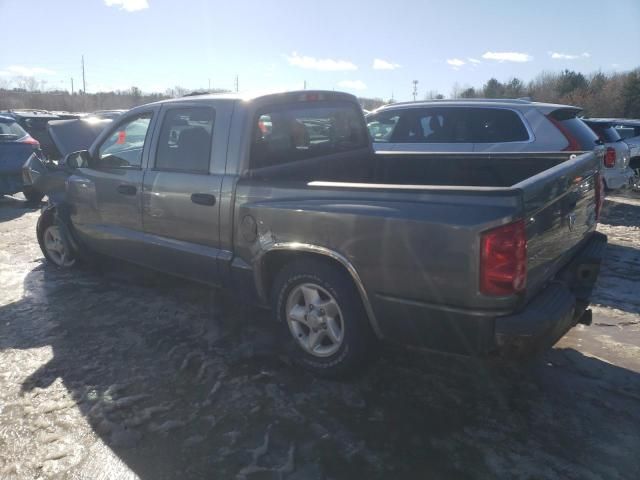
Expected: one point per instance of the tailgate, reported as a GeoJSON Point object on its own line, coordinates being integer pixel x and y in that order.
{"type": "Point", "coordinates": [560, 211]}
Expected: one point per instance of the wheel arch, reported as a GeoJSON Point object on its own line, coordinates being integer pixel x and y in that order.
{"type": "Point", "coordinates": [280, 254]}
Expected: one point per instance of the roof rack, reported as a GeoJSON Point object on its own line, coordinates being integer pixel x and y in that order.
{"type": "Point", "coordinates": [524, 101]}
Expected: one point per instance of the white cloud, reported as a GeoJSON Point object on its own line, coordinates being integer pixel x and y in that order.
{"type": "Point", "coordinates": [352, 84]}
{"type": "Point", "coordinates": [22, 71]}
{"type": "Point", "coordinates": [474, 60]}
{"type": "Point", "coordinates": [322, 64]}
{"type": "Point", "coordinates": [455, 62]}
{"type": "Point", "coordinates": [568, 56]}
{"type": "Point", "coordinates": [379, 64]}
{"type": "Point", "coordinates": [507, 56]}
{"type": "Point", "coordinates": [128, 5]}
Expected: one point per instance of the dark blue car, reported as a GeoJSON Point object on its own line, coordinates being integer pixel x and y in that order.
{"type": "Point", "coordinates": [16, 146]}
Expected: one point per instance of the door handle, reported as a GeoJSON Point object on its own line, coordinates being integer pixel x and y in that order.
{"type": "Point", "coordinates": [203, 199]}
{"type": "Point", "coordinates": [127, 189]}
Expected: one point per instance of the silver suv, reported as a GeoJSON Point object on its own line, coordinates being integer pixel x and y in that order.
{"type": "Point", "coordinates": [479, 125]}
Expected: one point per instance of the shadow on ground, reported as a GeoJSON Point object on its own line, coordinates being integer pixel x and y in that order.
{"type": "Point", "coordinates": [14, 207]}
{"type": "Point", "coordinates": [181, 382]}
{"type": "Point", "coordinates": [616, 213]}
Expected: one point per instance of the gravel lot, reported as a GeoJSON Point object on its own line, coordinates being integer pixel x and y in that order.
{"type": "Point", "coordinates": [122, 373]}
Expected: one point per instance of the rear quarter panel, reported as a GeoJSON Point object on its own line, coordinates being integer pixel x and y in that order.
{"type": "Point", "coordinates": [419, 246]}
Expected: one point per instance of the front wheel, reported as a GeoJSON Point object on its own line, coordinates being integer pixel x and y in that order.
{"type": "Point", "coordinates": [323, 319]}
{"type": "Point", "coordinates": [53, 245]}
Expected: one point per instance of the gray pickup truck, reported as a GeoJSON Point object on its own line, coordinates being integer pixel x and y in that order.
{"type": "Point", "coordinates": [281, 199]}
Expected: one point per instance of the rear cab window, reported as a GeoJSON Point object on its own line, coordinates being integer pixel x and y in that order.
{"type": "Point", "coordinates": [298, 131]}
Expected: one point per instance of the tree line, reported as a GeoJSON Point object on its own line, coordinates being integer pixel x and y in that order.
{"type": "Point", "coordinates": [599, 94]}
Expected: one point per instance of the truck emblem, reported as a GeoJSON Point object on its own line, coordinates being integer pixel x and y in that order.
{"type": "Point", "coordinates": [572, 221]}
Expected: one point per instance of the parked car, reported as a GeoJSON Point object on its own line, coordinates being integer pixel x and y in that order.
{"type": "Point", "coordinates": [479, 125]}
{"type": "Point", "coordinates": [617, 173]}
{"type": "Point", "coordinates": [16, 146]}
{"type": "Point", "coordinates": [466, 253]}
{"type": "Point", "coordinates": [629, 130]}
{"type": "Point", "coordinates": [34, 122]}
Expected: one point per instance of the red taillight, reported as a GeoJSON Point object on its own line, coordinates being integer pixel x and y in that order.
{"type": "Point", "coordinates": [29, 140]}
{"type": "Point", "coordinates": [503, 260]}
{"type": "Point", "coordinates": [599, 186]}
{"type": "Point", "coordinates": [610, 157]}
{"type": "Point", "coordinates": [574, 145]}
{"type": "Point", "coordinates": [311, 97]}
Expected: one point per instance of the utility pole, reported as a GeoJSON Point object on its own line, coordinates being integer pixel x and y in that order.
{"type": "Point", "coordinates": [415, 90]}
{"type": "Point", "coordinates": [84, 84]}
{"type": "Point", "coordinates": [71, 85]}
{"type": "Point", "coordinates": [237, 84]}
{"type": "Point", "coordinates": [209, 85]}
{"type": "Point", "coordinates": [305, 85]}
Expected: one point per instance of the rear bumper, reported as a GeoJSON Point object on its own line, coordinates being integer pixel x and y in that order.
{"type": "Point", "coordinates": [557, 308]}
{"type": "Point", "coordinates": [616, 179]}
{"type": "Point", "coordinates": [541, 323]}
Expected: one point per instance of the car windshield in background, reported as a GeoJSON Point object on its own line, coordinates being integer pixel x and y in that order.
{"type": "Point", "coordinates": [627, 131]}
{"type": "Point", "coordinates": [291, 133]}
{"type": "Point", "coordinates": [605, 132]}
{"type": "Point", "coordinates": [10, 131]}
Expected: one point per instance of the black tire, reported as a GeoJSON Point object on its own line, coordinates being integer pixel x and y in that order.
{"type": "Point", "coordinates": [32, 195]}
{"type": "Point", "coordinates": [44, 222]}
{"type": "Point", "coordinates": [358, 346]}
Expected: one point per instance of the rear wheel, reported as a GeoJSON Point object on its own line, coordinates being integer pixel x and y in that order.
{"type": "Point", "coordinates": [53, 244]}
{"type": "Point", "coordinates": [323, 320]}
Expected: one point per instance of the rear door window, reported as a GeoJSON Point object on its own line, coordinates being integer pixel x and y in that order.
{"type": "Point", "coordinates": [290, 133]}
{"type": "Point", "coordinates": [496, 125]}
{"type": "Point", "coordinates": [184, 143]}
{"type": "Point", "coordinates": [432, 125]}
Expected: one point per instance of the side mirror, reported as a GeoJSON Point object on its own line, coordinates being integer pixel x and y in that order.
{"type": "Point", "coordinates": [78, 159]}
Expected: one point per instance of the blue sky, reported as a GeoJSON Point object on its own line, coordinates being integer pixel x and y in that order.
{"type": "Point", "coordinates": [372, 48]}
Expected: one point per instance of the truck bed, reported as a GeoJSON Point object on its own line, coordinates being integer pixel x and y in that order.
{"type": "Point", "coordinates": [417, 168]}
{"type": "Point", "coordinates": [418, 217]}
